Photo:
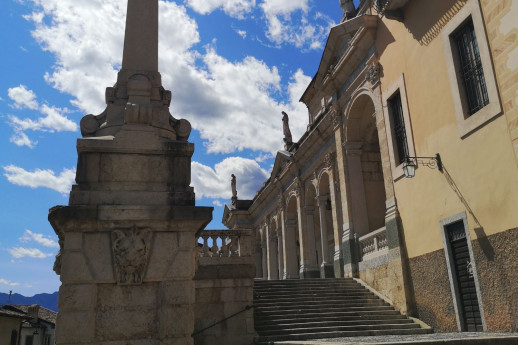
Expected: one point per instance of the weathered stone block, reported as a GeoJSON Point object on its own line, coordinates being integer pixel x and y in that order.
{"type": "Point", "coordinates": [98, 252]}
{"type": "Point", "coordinates": [118, 323]}
{"type": "Point", "coordinates": [162, 256]}
{"type": "Point", "coordinates": [177, 292]}
{"type": "Point", "coordinates": [176, 320]}
{"type": "Point", "coordinates": [127, 296]}
{"type": "Point", "coordinates": [183, 266]}
{"type": "Point", "coordinates": [74, 268]}
{"type": "Point", "coordinates": [75, 327]}
{"type": "Point", "coordinates": [73, 241]}
{"type": "Point", "coordinates": [77, 297]}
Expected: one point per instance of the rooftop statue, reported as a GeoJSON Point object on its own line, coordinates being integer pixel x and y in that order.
{"type": "Point", "coordinates": [348, 8]}
{"type": "Point", "coordinates": [288, 140]}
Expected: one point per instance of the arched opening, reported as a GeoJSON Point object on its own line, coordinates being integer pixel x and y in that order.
{"type": "Point", "coordinates": [365, 167]}
{"type": "Point", "coordinates": [291, 241]}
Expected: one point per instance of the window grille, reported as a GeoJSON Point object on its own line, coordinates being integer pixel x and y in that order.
{"type": "Point", "coordinates": [396, 111]}
{"type": "Point", "coordinates": [470, 67]}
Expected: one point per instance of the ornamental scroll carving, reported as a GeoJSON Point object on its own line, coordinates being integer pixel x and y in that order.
{"type": "Point", "coordinates": [130, 253]}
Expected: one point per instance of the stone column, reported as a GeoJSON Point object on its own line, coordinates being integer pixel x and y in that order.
{"type": "Point", "coordinates": [280, 254]}
{"type": "Point", "coordinates": [338, 262]}
{"type": "Point", "coordinates": [273, 261]}
{"type": "Point", "coordinates": [326, 268]}
{"type": "Point", "coordinates": [265, 259]}
{"type": "Point", "coordinates": [347, 262]}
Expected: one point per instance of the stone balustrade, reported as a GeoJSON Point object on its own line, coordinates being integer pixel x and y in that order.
{"type": "Point", "coordinates": [224, 243]}
{"type": "Point", "coordinates": [373, 243]}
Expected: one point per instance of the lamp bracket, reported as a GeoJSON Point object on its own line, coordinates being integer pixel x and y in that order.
{"type": "Point", "coordinates": [430, 162]}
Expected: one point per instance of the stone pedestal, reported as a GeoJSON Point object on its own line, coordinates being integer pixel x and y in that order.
{"type": "Point", "coordinates": [126, 273]}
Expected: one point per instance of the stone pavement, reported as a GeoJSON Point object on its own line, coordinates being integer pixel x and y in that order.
{"type": "Point", "coordinates": [468, 338]}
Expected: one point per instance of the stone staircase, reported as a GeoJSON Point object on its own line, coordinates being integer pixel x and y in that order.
{"type": "Point", "coordinates": [323, 308]}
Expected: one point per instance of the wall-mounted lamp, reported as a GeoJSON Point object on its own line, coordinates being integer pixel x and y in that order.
{"type": "Point", "coordinates": [410, 164]}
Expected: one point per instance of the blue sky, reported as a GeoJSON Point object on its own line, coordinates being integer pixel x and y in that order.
{"type": "Point", "coordinates": [232, 66]}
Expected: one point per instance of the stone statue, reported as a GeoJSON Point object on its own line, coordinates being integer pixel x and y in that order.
{"type": "Point", "coordinates": [348, 8]}
{"type": "Point", "coordinates": [233, 185]}
{"type": "Point", "coordinates": [288, 140]}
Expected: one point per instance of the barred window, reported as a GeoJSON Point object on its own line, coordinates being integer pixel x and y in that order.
{"type": "Point", "coordinates": [398, 121]}
{"type": "Point", "coordinates": [470, 68]}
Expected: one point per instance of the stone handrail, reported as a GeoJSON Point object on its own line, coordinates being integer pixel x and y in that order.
{"type": "Point", "coordinates": [224, 243]}
{"type": "Point", "coordinates": [374, 242]}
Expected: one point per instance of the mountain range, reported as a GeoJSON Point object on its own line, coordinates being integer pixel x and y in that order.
{"type": "Point", "coordinates": [49, 301]}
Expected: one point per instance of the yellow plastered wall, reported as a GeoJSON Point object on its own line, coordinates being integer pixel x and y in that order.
{"type": "Point", "coordinates": [482, 165]}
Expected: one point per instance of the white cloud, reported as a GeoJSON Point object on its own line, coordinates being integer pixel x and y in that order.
{"type": "Point", "coordinates": [284, 27]}
{"type": "Point", "coordinates": [241, 33]}
{"type": "Point", "coordinates": [215, 182]}
{"type": "Point", "coordinates": [21, 252]}
{"type": "Point", "coordinates": [234, 104]}
{"type": "Point", "coordinates": [22, 97]}
{"type": "Point", "coordinates": [8, 282]}
{"type": "Point", "coordinates": [54, 120]}
{"type": "Point", "coordinates": [45, 241]}
{"type": "Point", "coordinates": [40, 178]}
{"type": "Point", "coordinates": [217, 203]}
{"type": "Point", "coordinates": [19, 138]}
{"type": "Point", "coordinates": [234, 8]}
{"type": "Point", "coordinates": [285, 7]}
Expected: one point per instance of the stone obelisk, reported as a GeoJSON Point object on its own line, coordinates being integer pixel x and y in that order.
{"type": "Point", "coordinates": [127, 237]}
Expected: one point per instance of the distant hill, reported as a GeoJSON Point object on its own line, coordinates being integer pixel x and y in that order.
{"type": "Point", "coordinates": [49, 301]}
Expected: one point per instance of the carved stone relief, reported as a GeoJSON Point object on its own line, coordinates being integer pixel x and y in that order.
{"type": "Point", "coordinates": [373, 72]}
{"type": "Point", "coordinates": [130, 254]}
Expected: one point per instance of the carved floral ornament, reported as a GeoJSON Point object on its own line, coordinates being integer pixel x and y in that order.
{"type": "Point", "coordinates": [336, 115]}
{"type": "Point", "coordinates": [130, 248]}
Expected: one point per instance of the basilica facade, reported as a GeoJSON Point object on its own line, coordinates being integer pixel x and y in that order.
{"type": "Point", "coordinates": [407, 175]}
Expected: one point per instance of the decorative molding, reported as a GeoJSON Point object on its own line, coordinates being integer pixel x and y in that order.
{"type": "Point", "coordinates": [130, 250]}
{"type": "Point", "coordinates": [330, 160]}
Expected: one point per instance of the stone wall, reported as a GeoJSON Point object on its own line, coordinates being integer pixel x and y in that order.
{"type": "Point", "coordinates": [224, 288]}
{"type": "Point", "coordinates": [497, 268]}
{"type": "Point", "coordinates": [496, 257]}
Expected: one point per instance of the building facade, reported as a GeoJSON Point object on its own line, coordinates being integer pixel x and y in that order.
{"type": "Point", "coordinates": [405, 85]}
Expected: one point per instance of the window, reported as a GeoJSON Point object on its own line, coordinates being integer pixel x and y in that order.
{"type": "Point", "coordinates": [470, 70]}
{"type": "Point", "coordinates": [398, 123]}
{"type": "Point", "coordinates": [470, 67]}
{"type": "Point", "coordinates": [398, 126]}
{"type": "Point", "coordinates": [28, 340]}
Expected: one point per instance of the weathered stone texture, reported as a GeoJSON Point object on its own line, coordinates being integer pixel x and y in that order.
{"type": "Point", "coordinates": [432, 293]}
{"type": "Point", "coordinates": [496, 259]}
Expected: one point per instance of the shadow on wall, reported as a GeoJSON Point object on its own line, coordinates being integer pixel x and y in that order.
{"type": "Point", "coordinates": [427, 17]}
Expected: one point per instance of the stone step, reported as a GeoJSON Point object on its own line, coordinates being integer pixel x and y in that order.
{"type": "Point", "coordinates": [318, 309]}
{"type": "Point", "coordinates": [344, 316]}
{"type": "Point", "coordinates": [271, 326]}
{"type": "Point", "coordinates": [260, 340]}
{"type": "Point", "coordinates": [310, 303]}
{"type": "Point", "coordinates": [344, 328]}
{"type": "Point", "coordinates": [359, 307]}
{"type": "Point", "coordinates": [319, 313]}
